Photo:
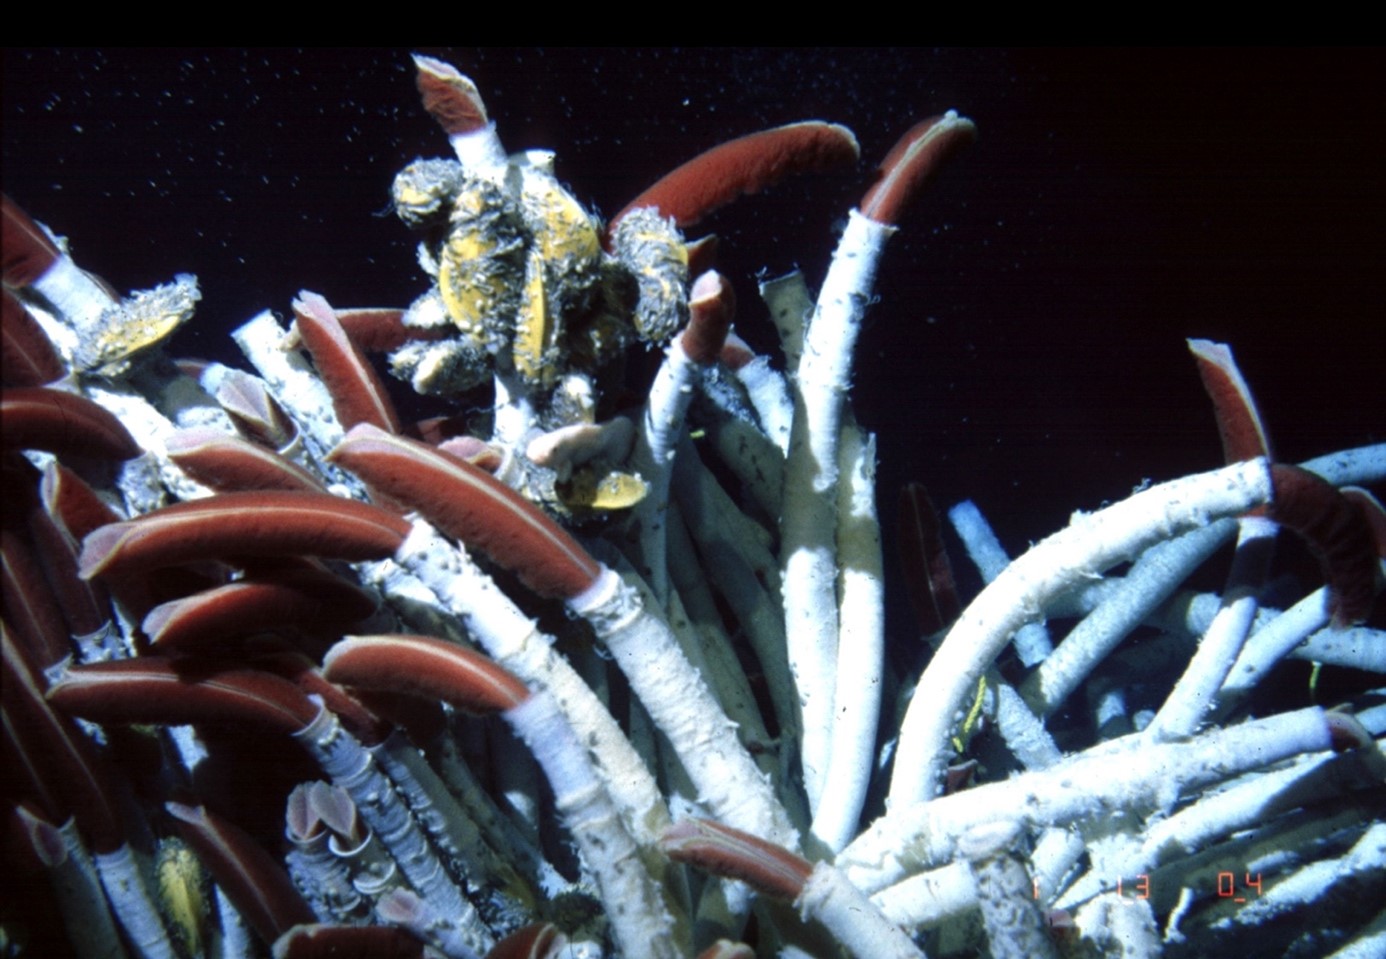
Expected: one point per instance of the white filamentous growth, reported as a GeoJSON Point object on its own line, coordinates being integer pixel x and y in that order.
{"type": "Point", "coordinates": [151, 429]}
{"type": "Point", "coordinates": [514, 416]}
{"type": "Point", "coordinates": [1081, 552]}
{"type": "Point", "coordinates": [809, 524]}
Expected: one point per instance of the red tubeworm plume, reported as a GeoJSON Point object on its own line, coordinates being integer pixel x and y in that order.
{"type": "Point", "coordinates": [1239, 422]}
{"type": "Point", "coordinates": [1337, 528]}
{"type": "Point", "coordinates": [724, 851]}
{"type": "Point", "coordinates": [357, 393]}
{"type": "Point", "coordinates": [250, 876]}
{"type": "Point", "coordinates": [449, 97]}
{"type": "Point", "coordinates": [711, 305]}
{"type": "Point", "coordinates": [229, 463]}
{"type": "Point", "coordinates": [726, 949]}
{"type": "Point", "coordinates": [382, 330]}
{"type": "Point", "coordinates": [283, 598]}
{"type": "Point", "coordinates": [1337, 531]}
{"type": "Point", "coordinates": [28, 252]}
{"type": "Point", "coordinates": [28, 356]}
{"type": "Point", "coordinates": [54, 755]}
{"type": "Point", "coordinates": [924, 562]}
{"type": "Point", "coordinates": [351, 942]}
{"type": "Point", "coordinates": [40, 418]}
{"type": "Point", "coordinates": [254, 412]}
{"type": "Point", "coordinates": [251, 524]}
{"type": "Point", "coordinates": [153, 689]}
{"type": "Point", "coordinates": [469, 504]}
{"type": "Point", "coordinates": [541, 940]}
{"type": "Point", "coordinates": [423, 666]}
{"type": "Point", "coordinates": [747, 164]}
{"type": "Point", "coordinates": [913, 162]}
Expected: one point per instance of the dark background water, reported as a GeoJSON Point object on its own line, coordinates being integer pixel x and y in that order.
{"type": "Point", "coordinates": [1027, 350]}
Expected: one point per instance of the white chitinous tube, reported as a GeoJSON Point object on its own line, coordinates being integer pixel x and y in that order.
{"type": "Point", "coordinates": [1089, 545]}
{"type": "Point", "coordinates": [454, 833]}
{"type": "Point", "coordinates": [746, 579]}
{"type": "Point", "coordinates": [808, 528]}
{"type": "Point", "coordinates": [1312, 884]}
{"type": "Point", "coordinates": [1194, 696]}
{"type": "Point", "coordinates": [679, 701]}
{"type": "Point", "coordinates": [769, 396]}
{"type": "Point", "coordinates": [515, 641]}
{"type": "Point", "coordinates": [1146, 585]}
{"type": "Point", "coordinates": [80, 301]}
{"type": "Point", "coordinates": [1355, 467]}
{"type": "Point", "coordinates": [1014, 924]}
{"type": "Point", "coordinates": [819, 891]}
{"type": "Point", "coordinates": [1252, 804]}
{"type": "Point", "coordinates": [1120, 925]}
{"type": "Point", "coordinates": [711, 304]}
{"type": "Point", "coordinates": [830, 897]}
{"type": "Point", "coordinates": [434, 668]}
{"type": "Point", "coordinates": [1032, 643]}
{"type": "Point", "coordinates": [1128, 774]}
{"type": "Point", "coordinates": [76, 885]}
{"type": "Point", "coordinates": [790, 304]}
{"type": "Point", "coordinates": [130, 900]}
{"type": "Point", "coordinates": [144, 482]}
{"type": "Point", "coordinates": [935, 896]}
{"type": "Point", "coordinates": [403, 907]}
{"type": "Point", "coordinates": [635, 907]}
{"type": "Point", "coordinates": [344, 759]}
{"type": "Point", "coordinates": [319, 872]}
{"type": "Point", "coordinates": [660, 429]}
{"type": "Point", "coordinates": [298, 390]}
{"type": "Point", "coordinates": [857, 706]}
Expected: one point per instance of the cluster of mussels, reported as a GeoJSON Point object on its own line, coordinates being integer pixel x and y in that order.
{"type": "Point", "coordinates": [608, 690]}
